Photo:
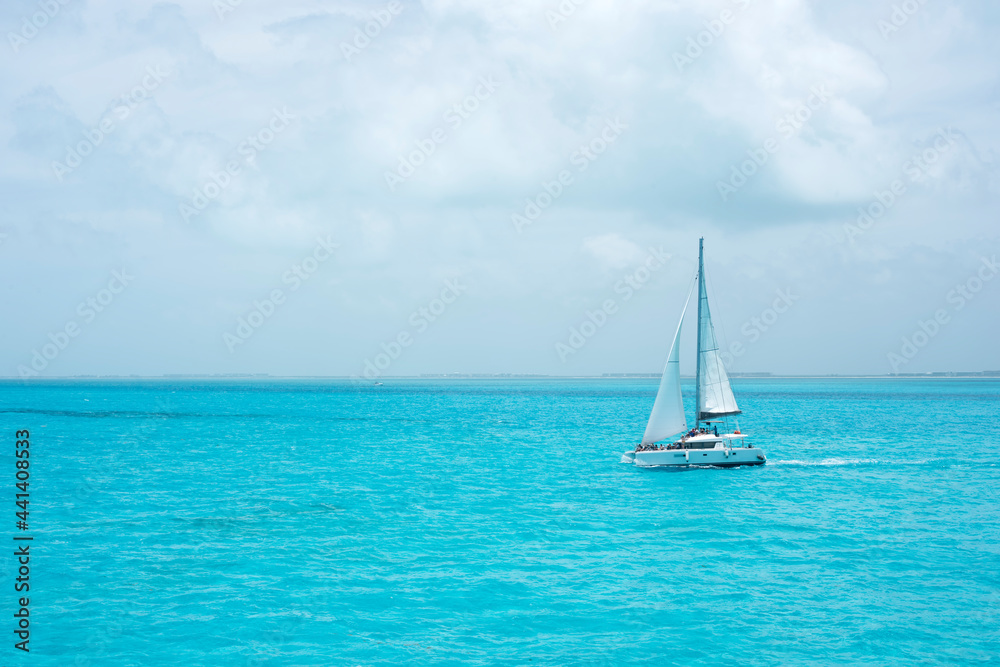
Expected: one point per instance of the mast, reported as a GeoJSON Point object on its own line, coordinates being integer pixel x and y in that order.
{"type": "Point", "coordinates": [714, 394]}
{"type": "Point", "coordinates": [697, 376]}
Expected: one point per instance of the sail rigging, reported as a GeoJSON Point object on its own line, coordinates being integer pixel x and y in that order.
{"type": "Point", "coordinates": [714, 395]}
{"type": "Point", "coordinates": [667, 418]}
{"type": "Point", "coordinates": [703, 446]}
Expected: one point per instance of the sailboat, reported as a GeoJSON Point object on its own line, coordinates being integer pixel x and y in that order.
{"type": "Point", "coordinates": [703, 445]}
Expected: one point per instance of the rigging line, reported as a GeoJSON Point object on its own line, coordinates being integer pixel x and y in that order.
{"type": "Point", "coordinates": [720, 368]}
{"type": "Point", "coordinates": [725, 336]}
{"type": "Point", "coordinates": [687, 300]}
{"type": "Point", "coordinates": [693, 283]}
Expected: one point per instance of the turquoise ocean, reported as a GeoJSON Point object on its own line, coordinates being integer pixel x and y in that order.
{"type": "Point", "coordinates": [447, 522]}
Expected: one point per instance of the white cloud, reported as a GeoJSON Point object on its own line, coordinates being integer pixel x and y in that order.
{"type": "Point", "coordinates": [557, 88]}
{"type": "Point", "coordinates": [613, 251]}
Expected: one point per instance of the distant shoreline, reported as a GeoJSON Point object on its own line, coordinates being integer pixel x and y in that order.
{"type": "Point", "coordinates": [955, 375]}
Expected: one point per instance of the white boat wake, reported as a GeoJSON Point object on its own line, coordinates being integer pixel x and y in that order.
{"type": "Point", "coordinates": [845, 462]}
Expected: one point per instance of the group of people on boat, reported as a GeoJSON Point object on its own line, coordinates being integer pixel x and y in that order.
{"type": "Point", "coordinates": [646, 447]}
{"type": "Point", "coordinates": [653, 447]}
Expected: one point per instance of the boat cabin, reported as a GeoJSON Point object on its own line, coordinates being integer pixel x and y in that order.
{"type": "Point", "coordinates": [711, 441]}
{"type": "Point", "coordinates": [706, 441]}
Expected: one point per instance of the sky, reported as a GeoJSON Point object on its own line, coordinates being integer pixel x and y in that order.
{"type": "Point", "coordinates": [398, 188]}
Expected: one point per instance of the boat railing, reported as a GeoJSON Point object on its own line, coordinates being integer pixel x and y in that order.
{"type": "Point", "coordinates": [712, 444]}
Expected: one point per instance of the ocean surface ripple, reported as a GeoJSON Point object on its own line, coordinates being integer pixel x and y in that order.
{"type": "Point", "coordinates": [488, 522]}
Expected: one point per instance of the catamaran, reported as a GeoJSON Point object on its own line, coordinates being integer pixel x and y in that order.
{"type": "Point", "coordinates": [703, 445]}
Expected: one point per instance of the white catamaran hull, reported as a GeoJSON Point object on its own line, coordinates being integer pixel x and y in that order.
{"type": "Point", "coordinates": [686, 458]}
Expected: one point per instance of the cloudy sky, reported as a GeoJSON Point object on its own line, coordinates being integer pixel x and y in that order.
{"type": "Point", "coordinates": [297, 188]}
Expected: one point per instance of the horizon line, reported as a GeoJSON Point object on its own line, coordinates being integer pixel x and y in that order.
{"type": "Point", "coordinates": [493, 376]}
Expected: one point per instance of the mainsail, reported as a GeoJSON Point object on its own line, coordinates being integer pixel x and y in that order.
{"type": "Point", "coordinates": [714, 395]}
{"type": "Point", "coordinates": [667, 418]}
